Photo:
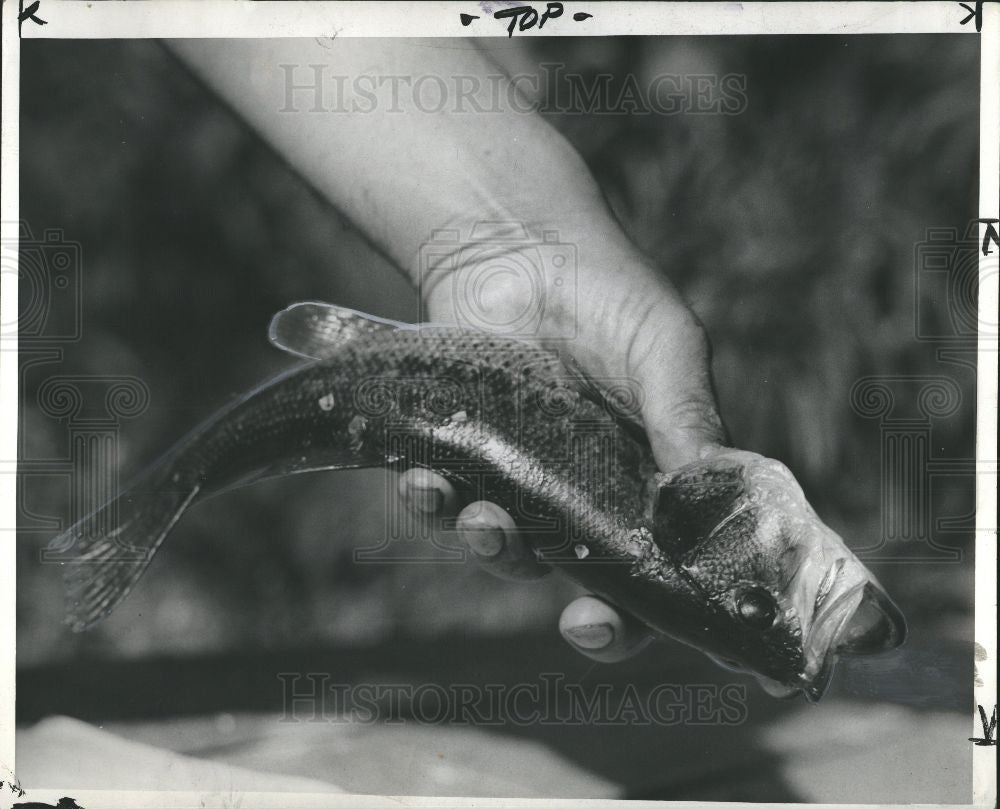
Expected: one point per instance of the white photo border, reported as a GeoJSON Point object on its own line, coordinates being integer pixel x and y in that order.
{"type": "Point", "coordinates": [74, 19]}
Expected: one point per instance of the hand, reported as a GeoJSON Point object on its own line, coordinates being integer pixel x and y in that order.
{"type": "Point", "coordinates": [590, 625]}
{"type": "Point", "coordinates": [630, 324]}
{"type": "Point", "coordinates": [402, 173]}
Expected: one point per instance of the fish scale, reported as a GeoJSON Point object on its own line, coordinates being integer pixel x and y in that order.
{"type": "Point", "coordinates": [698, 555]}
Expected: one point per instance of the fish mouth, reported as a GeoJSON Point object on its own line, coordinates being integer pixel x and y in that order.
{"type": "Point", "coordinates": [851, 619]}
{"type": "Point", "coordinates": [876, 626]}
{"type": "Point", "coordinates": [860, 620]}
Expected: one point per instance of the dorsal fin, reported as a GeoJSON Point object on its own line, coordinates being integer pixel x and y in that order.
{"type": "Point", "coordinates": [315, 330]}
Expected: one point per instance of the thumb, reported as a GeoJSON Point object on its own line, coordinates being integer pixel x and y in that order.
{"type": "Point", "coordinates": [679, 409]}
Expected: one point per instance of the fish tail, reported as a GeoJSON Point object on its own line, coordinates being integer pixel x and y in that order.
{"type": "Point", "coordinates": [111, 548]}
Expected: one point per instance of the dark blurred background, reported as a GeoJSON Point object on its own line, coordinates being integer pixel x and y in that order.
{"type": "Point", "coordinates": [792, 228]}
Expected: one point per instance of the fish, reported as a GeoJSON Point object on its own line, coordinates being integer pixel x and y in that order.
{"type": "Point", "coordinates": [723, 554]}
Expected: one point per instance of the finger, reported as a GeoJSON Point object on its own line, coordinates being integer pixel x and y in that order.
{"type": "Point", "coordinates": [426, 493]}
{"type": "Point", "coordinates": [667, 357]}
{"type": "Point", "coordinates": [598, 630]}
{"type": "Point", "coordinates": [497, 545]}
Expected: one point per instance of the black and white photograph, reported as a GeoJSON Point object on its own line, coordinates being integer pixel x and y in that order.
{"type": "Point", "coordinates": [642, 357]}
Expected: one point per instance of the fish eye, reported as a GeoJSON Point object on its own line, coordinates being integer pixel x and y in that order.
{"type": "Point", "coordinates": [756, 608]}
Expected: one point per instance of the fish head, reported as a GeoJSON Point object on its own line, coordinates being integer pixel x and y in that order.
{"type": "Point", "coordinates": [786, 596]}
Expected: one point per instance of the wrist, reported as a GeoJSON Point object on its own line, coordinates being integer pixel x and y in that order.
{"type": "Point", "coordinates": [597, 299]}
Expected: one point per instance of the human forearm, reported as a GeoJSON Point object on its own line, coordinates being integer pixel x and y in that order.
{"type": "Point", "coordinates": [402, 166]}
{"type": "Point", "coordinates": [399, 168]}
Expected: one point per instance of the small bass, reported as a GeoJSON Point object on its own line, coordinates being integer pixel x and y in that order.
{"type": "Point", "coordinates": [723, 554]}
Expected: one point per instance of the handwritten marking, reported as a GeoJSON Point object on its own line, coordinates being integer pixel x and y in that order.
{"type": "Point", "coordinates": [975, 13]}
{"type": "Point", "coordinates": [524, 18]}
{"type": "Point", "coordinates": [991, 235]}
{"type": "Point", "coordinates": [989, 728]}
{"type": "Point", "coordinates": [327, 42]}
{"type": "Point", "coordinates": [12, 783]}
{"type": "Point", "coordinates": [28, 14]}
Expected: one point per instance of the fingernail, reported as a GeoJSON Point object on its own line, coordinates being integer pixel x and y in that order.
{"type": "Point", "coordinates": [592, 636]}
{"type": "Point", "coordinates": [427, 499]}
{"type": "Point", "coordinates": [485, 542]}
